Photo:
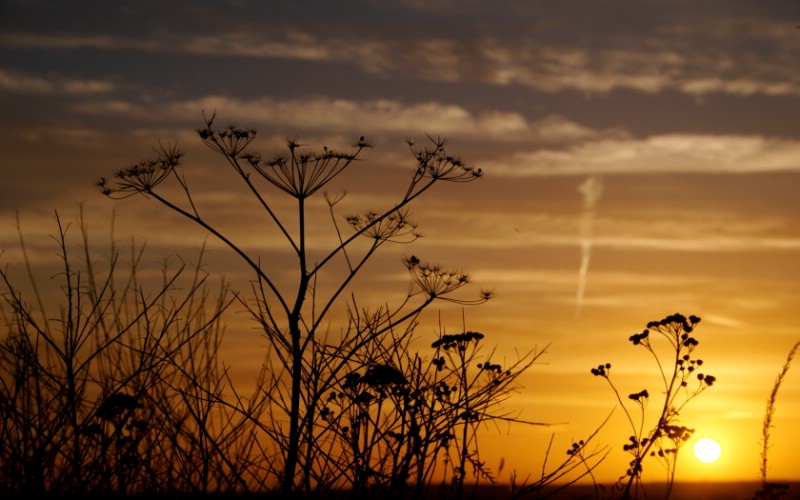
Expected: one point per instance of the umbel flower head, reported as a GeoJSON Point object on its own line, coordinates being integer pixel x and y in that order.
{"type": "Point", "coordinates": [303, 173]}
{"type": "Point", "coordinates": [230, 141]}
{"type": "Point", "coordinates": [434, 162]}
{"type": "Point", "coordinates": [144, 176]}
{"type": "Point", "coordinates": [432, 279]}
{"type": "Point", "coordinates": [395, 226]}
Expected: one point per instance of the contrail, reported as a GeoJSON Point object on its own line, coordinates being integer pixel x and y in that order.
{"type": "Point", "coordinates": [591, 189]}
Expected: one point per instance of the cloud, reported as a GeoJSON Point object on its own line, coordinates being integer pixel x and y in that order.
{"type": "Point", "coordinates": [698, 57]}
{"type": "Point", "coordinates": [725, 322]}
{"type": "Point", "coordinates": [643, 242]}
{"type": "Point", "coordinates": [600, 71]}
{"type": "Point", "coordinates": [76, 136]}
{"type": "Point", "coordinates": [685, 153]}
{"type": "Point", "coordinates": [658, 63]}
{"type": "Point", "coordinates": [17, 82]}
{"type": "Point", "coordinates": [685, 231]}
{"type": "Point", "coordinates": [556, 128]}
{"type": "Point", "coordinates": [344, 115]}
{"type": "Point", "coordinates": [69, 41]}
{"type": "Point", "coordinates": [113, 107]}
{"type": "Point", "coordinates": [375, 116]}
{"type": "Point", "coordinates": [707, 244]}
{"type": "Point", "coordinates": [739, 87]}
{"type": "Point", "coordinates": [672, 226]}
{"type": "Point", "coordinates": [292, 45]}
{"type": "Point", "coordinates": [529, 63]}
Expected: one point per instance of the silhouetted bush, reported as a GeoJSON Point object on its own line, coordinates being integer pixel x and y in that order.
{"type": "Point", "coordinates": [99, 393]}
{"type": "Point", "coordinates": [358, 409]}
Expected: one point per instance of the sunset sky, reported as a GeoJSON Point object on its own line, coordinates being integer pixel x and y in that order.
{"type": "Point", "coordinates": [641, 158]}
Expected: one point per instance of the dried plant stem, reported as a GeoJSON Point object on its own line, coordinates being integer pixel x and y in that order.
{"type": "Point", "coordinates": [770, 413]}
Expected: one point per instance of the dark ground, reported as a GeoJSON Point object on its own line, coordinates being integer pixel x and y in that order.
{"type": "Point", "coordinates": [680, 491]}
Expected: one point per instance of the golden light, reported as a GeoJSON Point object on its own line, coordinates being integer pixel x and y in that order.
{"type": "Point", "coordinates": [707, 450]}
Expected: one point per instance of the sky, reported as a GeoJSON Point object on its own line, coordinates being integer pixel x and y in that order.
{"type": "Point", "coordinates": [640, 158]}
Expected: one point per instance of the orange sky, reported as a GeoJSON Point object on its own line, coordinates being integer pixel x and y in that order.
{"type": "Point", "coordinates": [682, 117]}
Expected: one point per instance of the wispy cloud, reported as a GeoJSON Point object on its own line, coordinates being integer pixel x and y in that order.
{"type": "Point", "coordinates": [657, 64]}
{"type": "Point", "coordinates": [708, 244]}
{"type": "Point", "coordinates": [71, 41]}
{"type": "Point", "coordinates": [675, 227]}
{"type": "Point", "coordinates": [19, 82]}
{"type": "Point", "coordinates": [686, 153]}
{"type": "Point", "coordinates": [374, 116]}
{"type": "Point", "coordinates": [334, 115]}
{"type": "Point", "coordinates": [291, 45]}
{"type": "Point", "coordinates": [691, 57]}
{"type": "Point", "coordinates": [656, 67]}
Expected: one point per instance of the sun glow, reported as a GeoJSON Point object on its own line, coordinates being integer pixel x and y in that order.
{"type": "Point", "coordinates": [707, 450]}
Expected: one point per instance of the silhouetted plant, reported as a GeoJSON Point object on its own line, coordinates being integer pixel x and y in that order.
{"type": "Point", "coordinates": [772, 490]}
{"type": "Point", "coordinates": [579, 463]}
{"type": "Point", "coordinates": [82, 391]}
{"type": "Point", "coordinates": [306, 365]}
{"type": "Point", "coordinates": [407, 419]}
{"type": "Point", "coordinates": [664, 439]}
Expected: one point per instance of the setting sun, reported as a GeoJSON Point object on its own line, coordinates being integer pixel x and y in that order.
{"type": "Point", "coordinates": [707, 450]}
